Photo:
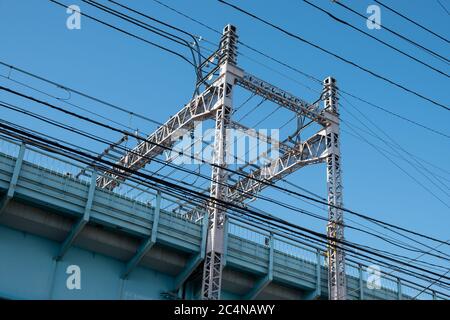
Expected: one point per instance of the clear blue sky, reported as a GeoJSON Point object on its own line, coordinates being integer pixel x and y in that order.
{"type": "Point", "coordinates": [144, 79]}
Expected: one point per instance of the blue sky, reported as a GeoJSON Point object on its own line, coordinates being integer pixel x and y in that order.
{"type": "Point", "coordinates": [146, 80]}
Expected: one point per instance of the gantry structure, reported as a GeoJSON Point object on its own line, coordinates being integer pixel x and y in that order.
{"type": "Point", "coordinates": [216, 102]}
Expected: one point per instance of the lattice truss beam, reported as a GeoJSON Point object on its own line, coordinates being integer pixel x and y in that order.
{"type": "Point", "coordinates": [200, 108]}
{"type": "Point", "coordinates": [215, 102]}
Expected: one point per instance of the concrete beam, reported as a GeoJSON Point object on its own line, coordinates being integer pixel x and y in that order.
{"type": "Point", "coordinates": [78, 226]}
{"type": "Point", "coordinates": [147, 244]}
{"type": "Point", "coordinates": [13, 183]}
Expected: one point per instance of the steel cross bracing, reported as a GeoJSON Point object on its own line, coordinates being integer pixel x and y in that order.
{"type": "Point", "coordinates": [215, 102]}
{"type": "Point", "coordinates": [337, 284]}
{"type": "Point", "coordinates": [200, 108]}
{"type": "Point", "coordinates": [311, 151]}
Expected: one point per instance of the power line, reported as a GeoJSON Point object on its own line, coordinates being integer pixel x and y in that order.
{"type": "Point", "coordinates": [227, 169]}
{"type": "Point", "coordinates": [308, 76]}
{"type": "Point", "coordinates": [443, 7]}
{"type": "Point", "coordinates": [400, 155]}
{"type": "Point", "coordinates": [233, 171]}
{"type": "Point", "coordinates": [131, 35]}
{"type": "Point", "coordinates": [84, 95]}
{"type": "Point", "coordinates": [159, 32]}
{"type": "Point", "coordinates": [50, 145]}
{"type": "Point", "coordinates": [396, 33]}
{"type": "Point", "coordinates": [374, 74]}
{"type": "Point", "coordinates": [376, 39]}
{"type": "Point", "coordinates": [412, 21]}
{"type": "Point", "coordinates": [424, 289]}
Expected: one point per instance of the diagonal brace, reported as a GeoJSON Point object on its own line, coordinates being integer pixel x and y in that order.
{"type": "Point", "coordinates": [78, 227]}
{"type": "Point", "coordinates": [13, 183]}
{"type": "Point", "coordinates": [266, 280]}
{"type": "Point", "coordinates": [195, 261]}
{"type": "Point", "coordinates": [147, 244]}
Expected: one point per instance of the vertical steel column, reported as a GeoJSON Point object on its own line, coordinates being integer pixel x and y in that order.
{"type": "Point", "coordinates": [337, 286]}
{"type": "Point", "coordinates": [213, 265]}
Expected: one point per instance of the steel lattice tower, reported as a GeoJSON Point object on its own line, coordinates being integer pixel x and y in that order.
{"type": "Point", "coordinates": [216, 102]}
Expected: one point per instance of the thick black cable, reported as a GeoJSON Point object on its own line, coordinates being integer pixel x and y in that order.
{"type": "Point", "coordinates": [433, 53]}
{"type": "Point", "coordinates": [311, 77]}
{"type": "Point", "coordinates": [227, 169]}
{"type": "Point", "coordinates": [410, 20]}
{"type": "Point", "coordinates": [329, 14]}
{"type": "Point", "coordinates": [374, 74]}
{"type": "Point", "coordinates": [64, 149]}
{"type": "Point", "coordinates": [131, 35]}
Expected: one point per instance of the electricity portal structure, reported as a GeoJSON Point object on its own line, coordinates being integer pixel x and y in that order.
{"type": "Point", "coordinates": [216, 102]}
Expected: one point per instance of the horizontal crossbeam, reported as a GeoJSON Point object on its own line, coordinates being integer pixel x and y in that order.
{"type": "Point", "coordinates": [283, 98]}
{"type": "Point", "coordinates": [200, 108]}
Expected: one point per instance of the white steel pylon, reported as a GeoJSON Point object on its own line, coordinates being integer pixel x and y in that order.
{"type": "Point", "coordinates": [337, 284]}
{"type": "Point", "coordinates": [213, 264]}
{"type": "Point", "coordinates": [215, 102]}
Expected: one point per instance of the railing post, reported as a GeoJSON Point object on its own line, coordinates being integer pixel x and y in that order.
{"type": "Point", "coordinates": [81, 223]}
{"type": "Point", "coordinates": [361, 282]}
{"type": "Point", "coordinates": [147, 244]}
{"type": "Point", "coordinates": [15, 176]}
{"type": "Point", "coordinates": [271, 245]}
{"type": "Point", "coordinates": [318, 274]}
{"type": "Point", "coordinates": [225, 241]}
{"type": "Point", "coordinates": [399, 289]}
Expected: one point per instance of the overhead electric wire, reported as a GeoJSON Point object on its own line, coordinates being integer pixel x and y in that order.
{"type": "Point", "coordinates": [53, 83]}
{"type": "Point", "coordinates": [410, 20]}
{"type": "Point", "coordinates": [132, 35]}
{"type": "Point", "coordinates": [40, 142]}
{"type": "Point", "coordinates": [417, 159]}
{"type": "Point", "coordinates": [390, 30]}
{"type": "Point", "coordinates": [60, 125]}
{"type": "Point", "coordinates": [84, 95]}
{"type": "Point", "coordinates": [301, 211]}
{"type": "Point", "coordinates": [396, 148]}
{"type": "Point", "coordinates": [332, 16]}
{"type": "Point", "coordinates": [356, 65]}
{"type": "Point", "coordinates": [308, 242]}
{"type": "Point", "coordinates": [401, 168]}
{"type": "Point", "coordinates": [290, 67]}
{"type": "Point", "coordinates": [406, 271]}
{"type": "Point", "coordinates": [431, 284]}
{"type": "Point", "coordinates": [227, 169]}
{"type": "Point", "coordinates": [159, 32]}
{"type": "Point", "coordinates": [443, 7]}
